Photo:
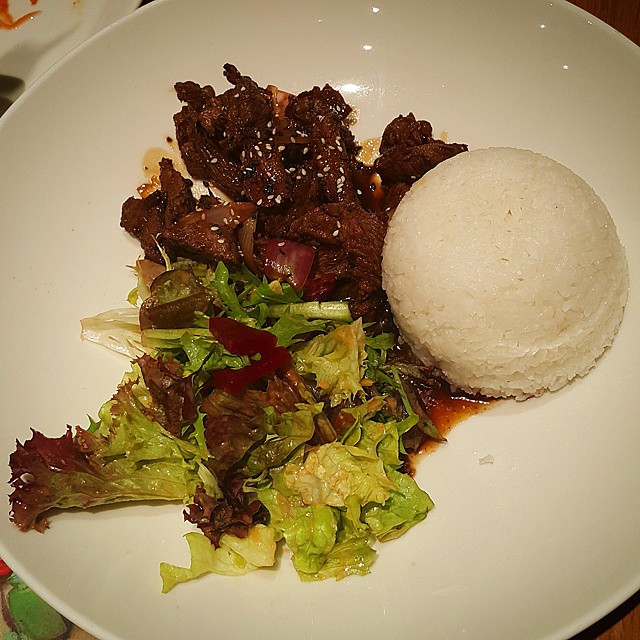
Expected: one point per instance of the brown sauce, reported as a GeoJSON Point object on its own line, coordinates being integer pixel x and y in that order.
{"type": "Point", "coordinates": [6, 19]}
{"type": "Point", "coordinates": [449, 409]}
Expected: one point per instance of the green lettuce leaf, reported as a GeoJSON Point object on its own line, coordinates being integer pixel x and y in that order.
{"type": "Point", "coordinates": [336, 360]}
{"type": "Point", "coordinates": [195, 347]}
{"type": "Point", "coordinates": [309, 530]}
{"type": "Point", "coordinates": [405, 507]}
{"type": "Point", "coordinates": [129, 456]}
{"type": "Point", "coordinates": [333, 472]}
{"type": "Point", "coordinates": [351, 557]}
{"type": "Point", "coordinates": [234, 557]}
{"type": "Point", "coordinates": [291, 325]}
{"type": "Point", "coordinates": [285, 434]}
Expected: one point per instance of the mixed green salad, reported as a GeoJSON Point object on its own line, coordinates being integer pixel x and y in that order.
{"type": "Point", "coordinates": [275, 421]}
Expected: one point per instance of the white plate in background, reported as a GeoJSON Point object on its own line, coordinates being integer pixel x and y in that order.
{"type": "Point", "coordinates": [29, 49]}
{"type": "Point", "coordinates": [536, 546]}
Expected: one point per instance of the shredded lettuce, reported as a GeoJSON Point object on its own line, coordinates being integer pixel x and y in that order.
{"type": "Point", "coordinates": [336, 361]}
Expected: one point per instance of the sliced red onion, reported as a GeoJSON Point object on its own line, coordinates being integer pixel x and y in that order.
{"type": "Point", "coordinates": [246, 239]}
{"type": "Point", "coordinates": [289, 260]}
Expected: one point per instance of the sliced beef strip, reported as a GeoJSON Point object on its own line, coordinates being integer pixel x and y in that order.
{"type": "Point", "coordinates": [264, 180]}
{"type": "Point", "coordinates": [194, 95]}
{"type": "Point", "coordinates": [405, 131]}
{"type": "Point", "coordinates": [247, 111]}
{"type": "Point", "coordinates": [362, 235]}
{"type": "Point", "coordinates": [319, 225]}
{"type": "Point", "coordinates": [408, 164]}
{"type": "Point", "coordinates": [177, 189]}
{"type": "Point", "coordinates": [143, 218]}
{"type": "Point", "coordinates": [305, 109]}
{"type": "Point", "coordinates": [195, 238]}
{"type": "Point", "coordinates": [333, 155]}
{"type": "Point", "coordinates": [203, 157]}
{"type": "Point", "coordinates": [408, 150]}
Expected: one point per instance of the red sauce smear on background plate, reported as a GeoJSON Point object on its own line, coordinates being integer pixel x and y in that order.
{"type": "Point", "coordinates": [6, 19]}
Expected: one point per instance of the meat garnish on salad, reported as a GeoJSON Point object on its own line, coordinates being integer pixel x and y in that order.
{"type": "Point", "coordinates": [268, 390]}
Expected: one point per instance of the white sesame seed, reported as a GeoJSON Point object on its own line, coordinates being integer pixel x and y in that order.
{"type": "Point", "coordinates": [220, 240]}
{"type": "Point", "coordinates": [259, 154]}
{"type": "Point", "coordinates": [413, 177]}
{"type": "Point", "coordinates": [293, 139]}
{"type": "Point", "coordinates": [332, 148]}
{"type": "Point", "coordinates": [243, 88]}
{"type": "Point", "coordinates": [269, 124]}
{"type": "Point", "coordinates": [326, 169]}
{"type": "Point", "coordinates": [341, 169]}
{"type": "Point", "coordinates": [203, 216]}
{"type": "Point", "coordinates": [281, 147]}
{"type": "Point", "coordinates": [305, 150]}
{"type": "Point", "coordinates": [359, 192]}
{"type": "Point", "coordinates": [225, 220]}
{"type": "Point", "coordinates": [281, 244]}
{"type": "Point", "coordinates": [215, 228]}
{"type": "Point", "coordinates": [322, 140]}
{"type": "Point", "coordinates": [278, 199]}
{"type": "Point", "coordinates": [303, 171]}
{"type": "Point", "coordinates": [338, 224]}
{"type": "Point", "coordinates": [259, 202]}
{"type": "Point", "coordinates": [214, 160]}
{"type": "Point", "coordinates": [236, 95]}
{"type": "Point", "coordinates": [268, 147]}
{"type": "Point", "coordinates": [336, 232]}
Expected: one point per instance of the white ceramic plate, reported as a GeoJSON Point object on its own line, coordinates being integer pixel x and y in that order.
{"type": "Point", "coordinates": [536, 546]}
{"type": "Point", "coordinates": [27, 51]}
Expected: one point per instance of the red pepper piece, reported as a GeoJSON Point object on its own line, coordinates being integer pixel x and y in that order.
{"type": "Point", "coordinates": [4, 569]}
{"type": "Point", "coordinates": [236, 380]}
{"type": "Point", "coordinates": [239, 339]}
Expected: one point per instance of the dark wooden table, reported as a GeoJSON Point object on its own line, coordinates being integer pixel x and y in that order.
{"type": "Point", "coordinates": [624, 622]}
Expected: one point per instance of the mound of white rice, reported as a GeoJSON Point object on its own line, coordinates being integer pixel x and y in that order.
{"type": "Point", "coordinates": [504, 269]}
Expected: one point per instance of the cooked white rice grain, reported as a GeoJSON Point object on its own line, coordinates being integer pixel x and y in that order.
{"type": "Point", "coordinates": [504, 269]}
